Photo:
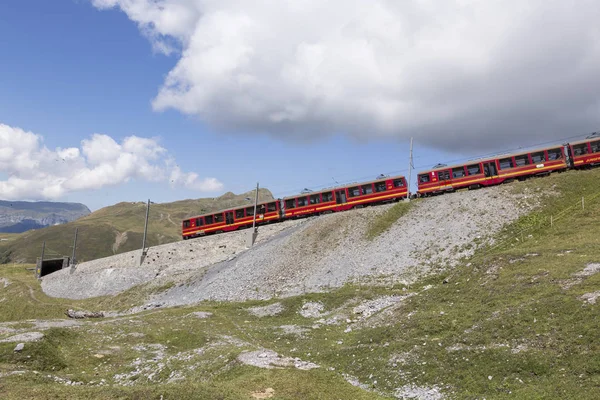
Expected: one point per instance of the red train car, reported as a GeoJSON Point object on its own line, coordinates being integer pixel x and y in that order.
{"type": "Point", "coordinates": [492, 171]}
{"type": "Point", "coordinates": [346, 197]}
{"type": "Point", "coordinates": [585, 153]}
{"type": "Point", "coordinates": [231, 219]}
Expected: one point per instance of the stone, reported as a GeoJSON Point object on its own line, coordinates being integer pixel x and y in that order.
{"type": "Point", "coordinates": [19, 348]}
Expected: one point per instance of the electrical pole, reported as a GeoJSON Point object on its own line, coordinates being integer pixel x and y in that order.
{"type": "Point", "coordinates": [74, 247]}
{"type": "Point", "coordinates": [38, 269]}
{"type": "Point", "coordinates": [145, 233]}
{"type": "Point", "coordinates": [410, 167]}
{"type": "Point", "coordinates": [254, 233]}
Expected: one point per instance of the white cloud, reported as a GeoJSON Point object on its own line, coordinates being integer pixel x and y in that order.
{"type": "Point", "coordinates": [36, 172]}
{"type": "Point", "coordinates": [446, 72]}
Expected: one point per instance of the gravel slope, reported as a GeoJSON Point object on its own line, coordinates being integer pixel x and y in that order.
{"type": "Point", "coordinates": [308, 255]}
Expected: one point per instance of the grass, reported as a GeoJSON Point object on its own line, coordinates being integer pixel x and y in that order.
{"type": "Point", "coordinates": [383, 222]}
{"type": "Point", "coordinates": [508, 323]}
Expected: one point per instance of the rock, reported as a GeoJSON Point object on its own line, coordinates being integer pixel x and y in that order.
{"type": "Point", "coordinates": [83, 314]}
{"type": "Point", "coordinates": [19, 348]}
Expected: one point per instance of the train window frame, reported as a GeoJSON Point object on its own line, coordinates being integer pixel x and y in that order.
{"type": "Point", "coordinates": [187, 224]}
{"type": "Point", "coordinates": [597, 148]}
{"type": "Point", "coordinates": [208, 220]}
{"type": "Point", "coordinates": [583, 146]}
{"type": "Point", "coordinates": [538, 153]}
{"type": "Point", "coordinates": [250, 211]}
{"type": "Point", "coordinates": [380, 187]}
{"type": "Point", "coordinates": [469, 167]}
{"type": "Point", "coordinates": [443, 175]}
{"type": "Point", "coordinates": [199, 221]}
{"type": "Point", "coordinates": [271, 207]}
{"type": "Point", "coordinates": [219, 218]}
{"type": "Point", "coordinates": [460, 170]}
{"type": "Point", "coordinates": [327, 196]}
{"type": "Point", "coordinates": [290, 204]}
{"type": "Point", "coordinates": [314, 198]}
{"type": "Point", "coordinates": [522, 160]}
{"type": "Point", "coordinates": [556, 151]}
{"type": "Point", "coordinates": [367, 188]}
{"type": "Point", "coordinates": [503, 160]}
{"type": "Point", "coordinates": [302, 201]}
{"type": "Point", "coordinates": [398, 182]}
{"type": "Point", "coordinates": [238, 211]}
{"type": "Point", "coordinates": [354, 191]}
{"type": "Point", "coordinates": [424, 178]}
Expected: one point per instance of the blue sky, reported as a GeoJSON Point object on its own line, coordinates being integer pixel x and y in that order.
{"type": "Point", "coordinates": [70, 69]}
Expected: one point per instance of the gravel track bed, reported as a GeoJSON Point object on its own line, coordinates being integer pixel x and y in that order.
{"type": "Point", "coordinates": [310, 255]}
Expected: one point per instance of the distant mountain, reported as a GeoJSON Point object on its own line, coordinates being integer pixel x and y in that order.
{"type": "Point", "coordinates": [21, 216]}
{"type": "Point", "coordinates": [117, 229]}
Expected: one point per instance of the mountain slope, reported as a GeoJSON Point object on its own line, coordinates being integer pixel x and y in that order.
{"type": "Point", "coordinates": [117, 229]}
{"type": "Point", "coordinates": [21, 216]}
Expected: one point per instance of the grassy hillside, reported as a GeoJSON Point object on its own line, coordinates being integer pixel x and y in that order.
{"type": "Point", "coordinates": [514, 321]}
{"type": "Point", "coordinates": [116, 229]}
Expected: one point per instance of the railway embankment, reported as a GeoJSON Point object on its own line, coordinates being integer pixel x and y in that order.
{"type": "Point", "coordinates": [309, 255]}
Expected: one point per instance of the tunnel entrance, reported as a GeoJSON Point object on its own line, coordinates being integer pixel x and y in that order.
{"type": "Point", "coordinates": [47, 267]}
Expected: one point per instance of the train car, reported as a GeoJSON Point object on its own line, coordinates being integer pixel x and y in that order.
{"type": "Point", "coordinates": [492, 171]}
{"type": "Point", "coordinates": [344, 198]}
{"type": "Point", "coordinates": [231, 219]}
{"type": "Point", "coordinates": [585, 153]}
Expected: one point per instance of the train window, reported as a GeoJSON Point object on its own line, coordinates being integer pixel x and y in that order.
{"type": "Point", "coordinates": [380, 187]}
{"type": "Point", "coordinates": [186, 224]}
{"type": "Point", "coordinates": [538, 157]}
{"type": "Point", "coordinates": [444, 175]}
{"type": "Point", "coordinates": [208, 219]}
{"type": "Point", "coordinates": [302, 201]}
{"type": "Point", "coordinates": [554, 154]}
{"type": "Point", "coordinates": [595, 146]}
{"type": "Point", "coordinates": [272, 207]}
{"type": "Point", "coordinates": [218, 217]}
{"type": "Point", "coordinates": [327, 196]}
{"type": "Point", "coordinates": [580, 149]}
{"type": "Point", "coordinates": [424, 178]}
{"type": "Point", "coordinates": [523, 159]}
{"type": "Point", "coordinates": [458, 172]}
{"type": "Point", "coordinates": [199, 222]}
{"type": "Point", "coordinates": [398, 182]}
{"type": "Point", "coordinates": [367, 189]}
{"type": "Point", "coordinates": [239, 213]}
{"type": "Point", "coordinates": [474, 169]}
{"type": "Point", "coordinates": [290, 203]}
{"type": "Point", "coordinates": [353, 191]}
{"type": "Point", "coordinates": [315, 198]}
{"type": "Point", "coordinates": [506, 163]}
{"type": "Point", "coordinates": [249, 211]}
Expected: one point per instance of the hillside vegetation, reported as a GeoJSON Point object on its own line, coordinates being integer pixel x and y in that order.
{"type": "Point", "coordinates": [517, 318]}
{"type": "Point", "coordinates": [116, 229]}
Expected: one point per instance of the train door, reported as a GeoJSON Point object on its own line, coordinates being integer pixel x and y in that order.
{"type": "Point", "coordinates": [489, 169]}
{"type": "Point", "coordinates": [340, 196]}
{"type": "Point", "coordinates": [229, 217]}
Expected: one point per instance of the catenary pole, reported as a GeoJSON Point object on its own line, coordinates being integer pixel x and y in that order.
{"type": "Point", "coordinates": [410, 167]}
{"type": "Point", "coordinates": [145, 233]}
{"type": "Point", "coordinates": [255, 205]}
{"type": "Point", "coordinates": [74, 247]}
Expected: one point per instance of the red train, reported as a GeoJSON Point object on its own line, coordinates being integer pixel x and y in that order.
{"type": "Point", "coordinates": [342, 198]}
{"type": "Point", "coordinates": [505, 168]}
{"type": "Point", "coordinates": [438, 180]}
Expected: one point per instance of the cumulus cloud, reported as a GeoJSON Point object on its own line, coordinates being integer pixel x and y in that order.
{"type": "Point", "coordinates": [35, 172]}
{"type": "Point", "coordinates": [450, 73]}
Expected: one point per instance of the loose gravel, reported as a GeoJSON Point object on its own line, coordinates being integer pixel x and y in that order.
{"type": "Point", "coordinates": [310, 255]}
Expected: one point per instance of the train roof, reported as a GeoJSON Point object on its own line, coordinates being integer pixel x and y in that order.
{"type": "Point", "coordinates": [490, 158]}
{"type": "Point", "coordinates": [344, 186]}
